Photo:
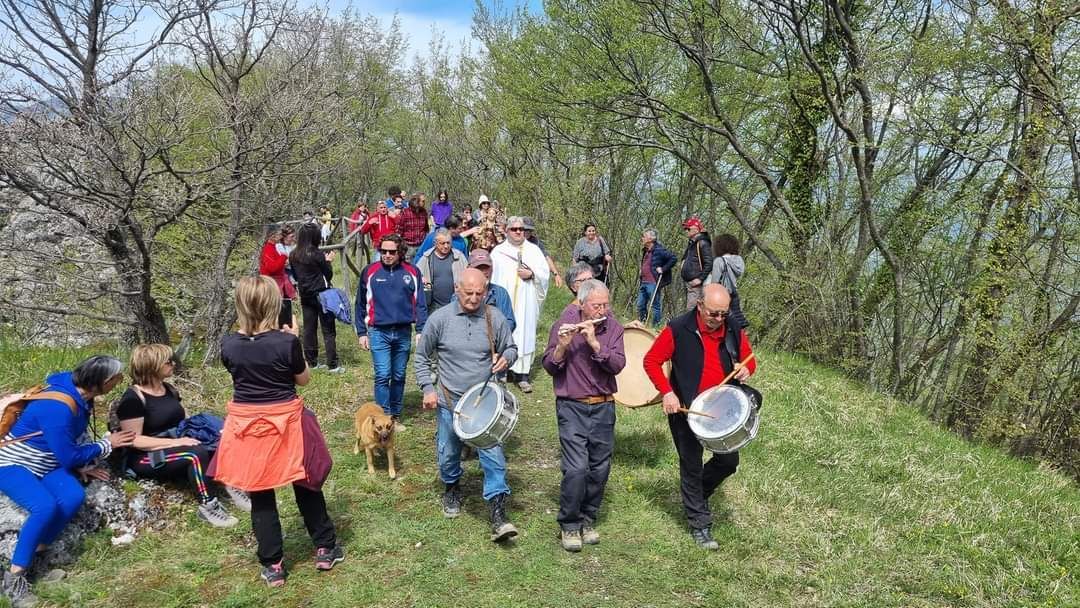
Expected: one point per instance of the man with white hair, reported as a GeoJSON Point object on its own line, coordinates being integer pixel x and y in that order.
{"type": "Point", "coordinates": [584, 354]}
{"type": "Point", "coordinates": [519, 267]}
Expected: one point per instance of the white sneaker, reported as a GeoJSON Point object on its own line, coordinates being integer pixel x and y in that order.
{"type": "Point", "coordinates": [336, 370]}
{"type": "Point", "coordinates": [239, 498]}
{"type": "Point", "coordinates": [319, 366]}
{"type": "Point", "coordinates": [215, 514]}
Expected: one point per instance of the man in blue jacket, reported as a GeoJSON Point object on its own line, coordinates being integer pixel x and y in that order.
{"type": "Point", "coordinates": [389, 301]}
{"type": "Point", "coordinates": [453, 224]}
{"type": "Point", "coordinates": [655, 273]}
{"type": "Point", "coordinates": [496, 295]}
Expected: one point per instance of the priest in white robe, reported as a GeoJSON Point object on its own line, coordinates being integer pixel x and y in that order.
{"type": "Point", "coordinates": [520, 268]}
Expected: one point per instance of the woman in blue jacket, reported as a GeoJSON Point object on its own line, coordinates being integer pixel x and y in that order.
{"type": "Point", "coordinates": [38, 474]}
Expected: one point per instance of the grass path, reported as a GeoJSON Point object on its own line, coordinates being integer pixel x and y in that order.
{"type": "Point", "coordinates": [846, 499]}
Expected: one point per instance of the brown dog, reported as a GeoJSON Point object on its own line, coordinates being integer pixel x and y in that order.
{"type": "Point", "coordinates": [374, 429]}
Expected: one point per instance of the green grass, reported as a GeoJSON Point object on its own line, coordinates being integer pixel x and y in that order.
{"type": "Point", "coordinates": [847, 498]}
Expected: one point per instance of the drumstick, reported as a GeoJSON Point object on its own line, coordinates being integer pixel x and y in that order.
{"type": "Point", "coordinates": [480, 395]}
{"type": "Point", "coordinates": [686, 410]}
{"type": "Point", "coordinates": [453, 412]}
{"type": "Point", "coordinates": [578, 326]}
{"type": "Point", "coordinates": [738, 366]}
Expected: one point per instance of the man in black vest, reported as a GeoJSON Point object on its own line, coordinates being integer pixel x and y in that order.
{"type": "Point", "coordinates": [703, 345]}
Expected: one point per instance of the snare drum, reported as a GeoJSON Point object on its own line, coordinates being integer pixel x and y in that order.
{"type": "Point", "coordinates": [734, 421]}
{"type": "Point", "coordinates": [485, 420]}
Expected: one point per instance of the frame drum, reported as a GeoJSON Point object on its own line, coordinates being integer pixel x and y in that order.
{"type": "Point", "coordinates": [635, 389]}
{"type": "Point", "coordinates": [485, 420]}
{"type": "Point", "coordinates": [734, 421]}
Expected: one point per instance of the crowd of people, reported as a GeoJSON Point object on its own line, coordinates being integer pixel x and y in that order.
{"type": "Point", "coordinates": [463, 288]}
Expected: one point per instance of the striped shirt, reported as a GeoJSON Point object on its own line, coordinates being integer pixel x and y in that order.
{"type": "Point", "coordinates": [37, 461]}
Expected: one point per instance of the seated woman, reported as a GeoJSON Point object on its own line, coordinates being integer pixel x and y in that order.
{"type": "Point", "coordinates": [268, 448]}
{"type": "Point", "coordinates": [149, 408]}
{"type": "Point", "coordinates": [38, 466]}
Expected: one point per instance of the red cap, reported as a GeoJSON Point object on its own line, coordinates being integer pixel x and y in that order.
{"type": "Point", "coordinates": [692, 221]}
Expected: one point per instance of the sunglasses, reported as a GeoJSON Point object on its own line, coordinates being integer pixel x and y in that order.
{"type": "Point", "coordinates": [722, 314]}
{"type": "Point", "coordinates": [388, 251]}
{"type": "Point", "coordinates": [518, 229]}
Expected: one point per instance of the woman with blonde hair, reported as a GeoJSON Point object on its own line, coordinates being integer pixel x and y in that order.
{"type": "Point", "coordinates": [151, 408]}
{"type": "Point", "coordinates": [266, 427]}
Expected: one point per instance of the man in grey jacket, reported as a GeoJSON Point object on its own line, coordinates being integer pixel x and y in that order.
{"type": "Point", "coordinates": [460, 337]}
{"type": "Point", "coordinates": [441, 268]}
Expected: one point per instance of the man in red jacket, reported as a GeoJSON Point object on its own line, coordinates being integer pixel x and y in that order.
{"type": "Point", "coordinates": [380, 224]}
{"type": "Point", "coordinates": [703, 346]}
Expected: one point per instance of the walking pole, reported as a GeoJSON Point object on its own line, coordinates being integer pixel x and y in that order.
{"type": "Point", "coordinates": [656, 288]}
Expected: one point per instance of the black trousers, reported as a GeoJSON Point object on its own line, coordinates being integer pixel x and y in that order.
{"type": "Point", "coordinates": [587, 438]}
{"type": "Point", "coordinates": [189, 461]}
{"type": "Point", "coordinates": [266, 524]}
{"type": "Point", "coordinates": [313, 317]}
{"type": "Point", "coordinates": [698, 481]}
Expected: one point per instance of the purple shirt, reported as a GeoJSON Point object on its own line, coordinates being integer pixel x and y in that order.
{"type": "Point", "coordinates": [646, 267]}
{"type": "Point", "coordinates": [583, 373]}
{"type": "Point", "coordinates": [440, 211]}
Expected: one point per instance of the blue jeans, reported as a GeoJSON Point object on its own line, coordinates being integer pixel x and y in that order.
{"type": "Point", "coordinates": [50, 502]}
{"type": "Point", "coordinates": [644, 293]}
{"type": "Point", "coordinates": [448, 449]}
{"type": "Point", "coordinates": [390, 348]}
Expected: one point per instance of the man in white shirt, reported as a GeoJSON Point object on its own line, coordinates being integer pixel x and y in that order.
{"type": "Point", "coordinates": [520, 268]}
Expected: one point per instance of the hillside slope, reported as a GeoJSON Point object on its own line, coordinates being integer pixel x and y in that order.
{"type": "Point", "coordinates": [846, 499]}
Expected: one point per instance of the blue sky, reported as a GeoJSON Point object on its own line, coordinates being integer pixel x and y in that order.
{"type": "Point", "coordinates": [419, 18]}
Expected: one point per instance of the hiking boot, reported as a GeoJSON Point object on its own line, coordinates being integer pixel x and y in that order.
{"type": "Point", "coordinates": [239, 498]}
{"type": "Point", "coordinates": [336, 370]}
{"type": "Point", "coordinates": [17, 589]}
{"type": "Point", "coordinates": [501, 528]}
{"type": "Point", "coordinates": [274, 574]}
{"type": "Point", "coordinates": [216, 515]}
{"type": "Point", "coordinates": [589, 535]}
{"type": "Point", "coordinates": [571, 540]}
{"type": "Point", "coordinates": [398, 427]}
{"type": "Point", "coordinates": [703, 538]}
{"type": "Point", "coordinates": [326, 557]}
{"type": "Point", "coordinates": [525, 386]}
{"type": "Point", "coordinates": [451, 501]}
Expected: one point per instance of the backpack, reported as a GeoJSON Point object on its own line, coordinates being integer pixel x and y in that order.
{"type": "Point", "coordinates": [728, 276]}
{"type": "Point", "coordinates": [13, 405]}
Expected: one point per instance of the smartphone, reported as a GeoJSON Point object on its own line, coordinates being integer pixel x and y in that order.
{"type": "Point", "coordinates": [157, 459]}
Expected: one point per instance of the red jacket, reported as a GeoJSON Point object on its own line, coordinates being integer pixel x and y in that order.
{"type": "Point", "coordinates": [712, 371]}
{"type": "Point", "coordinates": [272, 264]}
{"type": "Point", "coordinates": [382, 226]}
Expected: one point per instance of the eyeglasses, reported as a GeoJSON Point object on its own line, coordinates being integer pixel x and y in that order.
{"type": "Point", "coordinates": [721, 314]}
{"type": "Point", "coordinates": [598, 306]}
{"type": "Point", "coordinates": [517, 229]}
{"type": "Point", "coordinates": [388, 251]}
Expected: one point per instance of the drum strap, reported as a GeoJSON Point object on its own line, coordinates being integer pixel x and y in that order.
{"type": "Point", "coordinates": [490, 331]}
{"type": "Point", "coordinates": [446, 395]}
